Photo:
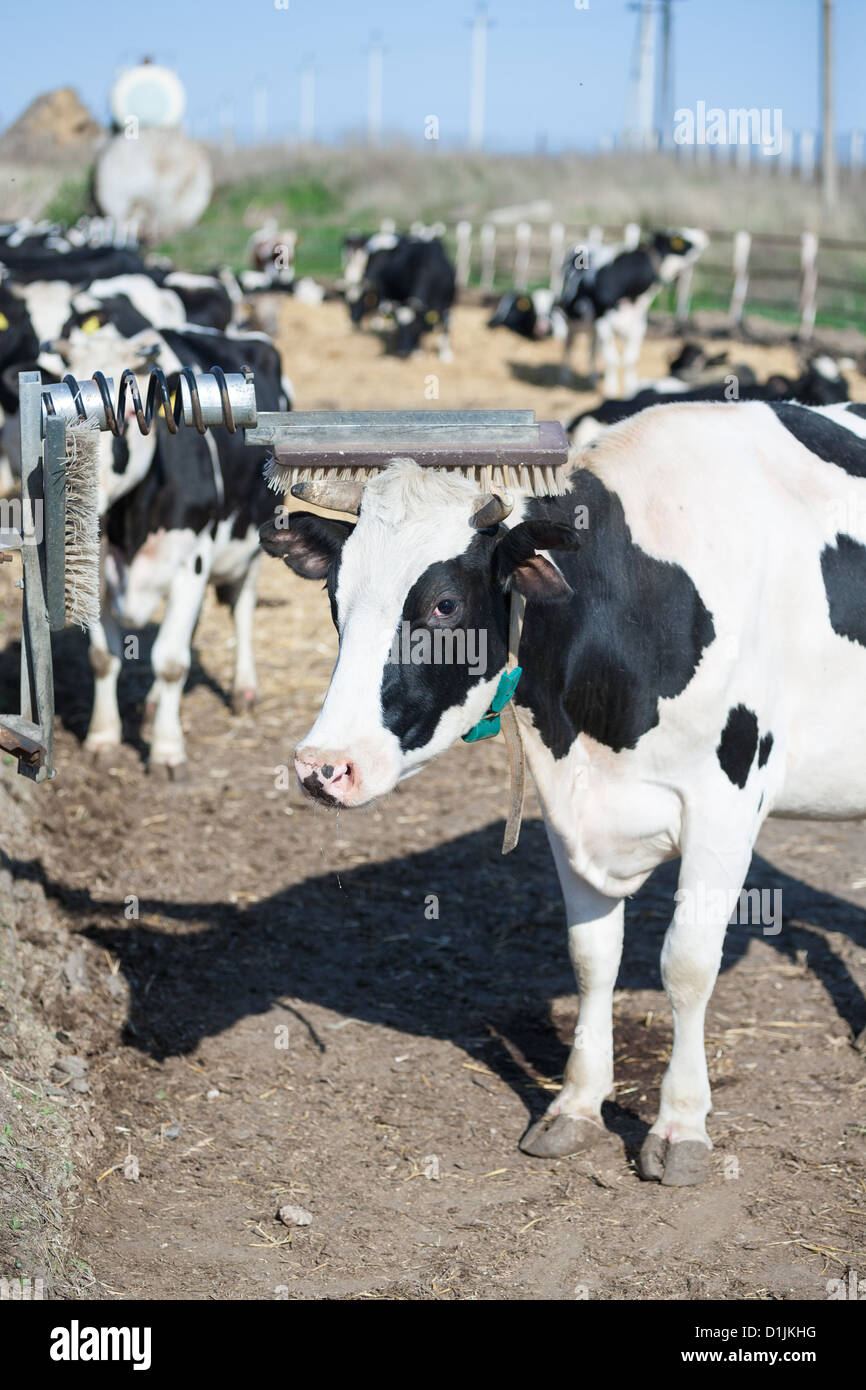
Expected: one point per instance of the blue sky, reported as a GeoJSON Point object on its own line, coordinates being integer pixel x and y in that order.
{"type": "Point", "coordinates": [554, 71]}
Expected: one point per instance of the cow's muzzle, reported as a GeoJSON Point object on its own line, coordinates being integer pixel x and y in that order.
{"type": "Point", "coordinates": [325, 776]}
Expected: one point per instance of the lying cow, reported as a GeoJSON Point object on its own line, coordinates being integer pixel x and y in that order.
{"type": "Point", "coordinates": [681, 682]}
{"type": "Point", "coordinates": [410, 277]}
{"type": "Point", "coordinates": [694, 366]}
{"type": "Point", "coordinates": [180, 511]}
{"type": "Point", "coordinates": [607, 291]}
{"type": "Point", "coordinates": [820, 383]}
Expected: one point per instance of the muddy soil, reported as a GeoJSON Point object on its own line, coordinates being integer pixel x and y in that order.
{"type": "Point", "coordinates": [360, 1014]}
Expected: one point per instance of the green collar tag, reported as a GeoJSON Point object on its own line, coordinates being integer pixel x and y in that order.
{"type": "Point", "coordinates": [488, 726]}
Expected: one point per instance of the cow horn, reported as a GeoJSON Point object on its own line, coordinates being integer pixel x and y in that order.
{"type": "Point", "coordinates": [337, 494]}
{"type": "Point", "coordinates": [489, 510]}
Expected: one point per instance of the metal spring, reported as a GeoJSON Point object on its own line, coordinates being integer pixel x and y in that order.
{"type": "Point", "coordinates": [159, 396]}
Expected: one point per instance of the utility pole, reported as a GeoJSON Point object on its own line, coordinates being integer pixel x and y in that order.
{"type": "Point", "coordinates": [641, 94]}
{"type": "Point", "coordinates": [477, 91]}
{"type": "Point", "coordinates": [374, 90]}
{"type": "Point", "coordinates": [665, 120]}
{"type": "Point", "coordinates": [646, 80]}
{"type": "Point", "coordinates": [828, 158]}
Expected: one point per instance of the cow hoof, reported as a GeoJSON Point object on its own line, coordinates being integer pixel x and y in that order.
{"type": "Point", "coordinates": [102, 754]}
{"type": "Point", "coordinates": [684, 1164]}
{"type": "Point", "coordinates": [244, 700]}
{"type": "Point", "coordinates": [168, 772]}
{"type": "Point", "coordinates": [147, 719]}
{"type": "Point", "coordinates": [556, 1136]}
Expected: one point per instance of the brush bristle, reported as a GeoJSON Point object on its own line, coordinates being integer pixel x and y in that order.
{"type": "Point", "coordinates": [81, 585]}
{"type": "Point", "coordinates": [532, 480]}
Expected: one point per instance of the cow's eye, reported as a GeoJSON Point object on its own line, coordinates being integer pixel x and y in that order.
{"type": "Point", "coordinates": [445, 608]}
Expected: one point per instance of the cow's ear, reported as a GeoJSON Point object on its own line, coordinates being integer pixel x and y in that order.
{"type": "Point", "coordinates": [309, 544]}
{"type": "Point", "coordinates": [516, 558]}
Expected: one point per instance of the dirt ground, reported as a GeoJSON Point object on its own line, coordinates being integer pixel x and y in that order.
{"type": "Point", "coordinates": [359, 1014]}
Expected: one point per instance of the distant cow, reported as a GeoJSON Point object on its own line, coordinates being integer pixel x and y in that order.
{"type": "Point", "coordinates": [531, 315]}
{"type": "Point", "coordinates": [180, 511]}
{"type": "Point", "coordinates": [820, 383]}
{"type": "Point", "coordinates": [693, 657]}
{"type": "Point", "coordinates": [410, 277]}
{"type": "Point", "coordinates": [606, 291]}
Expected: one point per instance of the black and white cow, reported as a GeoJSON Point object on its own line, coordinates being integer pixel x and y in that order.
{"type": "Point", "coordinates": [820, 383]}
{"type": "Point", "coordinates": [410, 277]}
{"type": "Point", "coordinates": [606, 291]}
{"type": "Point", "coordinates": [694, 660]}
{"type": "Point", "coordinates": [531, 315]}
{"type": "Point", "coordinates": [179, 512]}
{"type": "Point", "coordinates": [207, 299]}
{"type": "Point", "coordinates": [80, 265]}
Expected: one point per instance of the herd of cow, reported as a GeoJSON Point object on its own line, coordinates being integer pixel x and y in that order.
{"type": "Point", "coordinates": [693, 648]}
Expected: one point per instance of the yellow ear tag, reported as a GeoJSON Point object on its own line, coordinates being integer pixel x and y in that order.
{"type": "Point", "coordinates": [4, 323]}
{"type": "Point", "coordinates": [677, 243]}
{"type": "Point", "coordinates": [524, 304]}
{"type": "Point", "coordinates": [431, 316]}
{"type": "Point", "coordinates": [91, 325]}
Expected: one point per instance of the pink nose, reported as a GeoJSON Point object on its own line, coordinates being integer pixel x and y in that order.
{"type": "Point", "coordinates": [326, 776]}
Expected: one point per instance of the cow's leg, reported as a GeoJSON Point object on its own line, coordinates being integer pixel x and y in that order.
{"type": "Point", "coordinates": [567, 346]}
{"type": "Point", "coordinates": [104, 730]}
{"type": "Point", "coordinates": [445, 353]}
{"type": "Point", "coordinates": [593, 355]}
{"type": "Point", "coordinates": [170, 659]}
{"type": "Point", "coordinates": [634, 337]}
{"type": "Point", "coordinates": [610, 357]}
{"type": "Point", "coordinates": [677, 1149]}
{"type": "Point", "coordinates": [595, 929]}
{"type": "Point", "coordinates": [241, 598]}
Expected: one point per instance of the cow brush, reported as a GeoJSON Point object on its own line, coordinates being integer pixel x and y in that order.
{"type": "Point", "coordinates": [81, 527]}
{"type": "Point", "coordinates": [501, 450]}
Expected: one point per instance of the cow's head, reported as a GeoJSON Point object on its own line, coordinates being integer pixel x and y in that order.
{"type": "Point", "coordinates": [678, 249]}
{"type": "Point", "coordinates": [413, 320]}
{"type": "Point", "coordinates": [517, 312]}
{"type": "Point", "coordinates": [419, 595]}
{"type": "Point", "coordinates": [362, 300]}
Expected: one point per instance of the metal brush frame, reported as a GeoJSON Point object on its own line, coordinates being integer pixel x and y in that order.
{"type": "Point", "coordinates": [483, 440]}
{"type": "Point", "coordinates": [46, 411]}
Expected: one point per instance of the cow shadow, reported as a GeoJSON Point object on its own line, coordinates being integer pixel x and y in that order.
{"type": "Point", "coordinates": [550, 374]}
{"type": "Point", "coordinates": [453, 942]}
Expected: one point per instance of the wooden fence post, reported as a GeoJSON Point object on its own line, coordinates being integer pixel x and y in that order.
{"type": "Point", "coordinates": [464, 253]}
{"type": "Point", "coordinates": [809, 287]}
{"type": "Point", "coordinates": [742, 247]}
{"type": "Point", "coordinates": [488, 255]}
{"type": "Point", "coordinates": [522, 249]}
{"type": "Point", "coordinates": [684, 294]}
{"type": "Point", "coordinates": [557, 254]}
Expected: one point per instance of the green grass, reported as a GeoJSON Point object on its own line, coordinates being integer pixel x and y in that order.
{"type": "Point", "coordinates": [71, 201]}
{"type": "Point", "coordinates": [305, 203]}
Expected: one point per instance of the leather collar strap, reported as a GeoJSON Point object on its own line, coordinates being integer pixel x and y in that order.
{"type": "Point", "coordinates": [511, 730]}
{"type": "Point", "coordinates": [501, 715]}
